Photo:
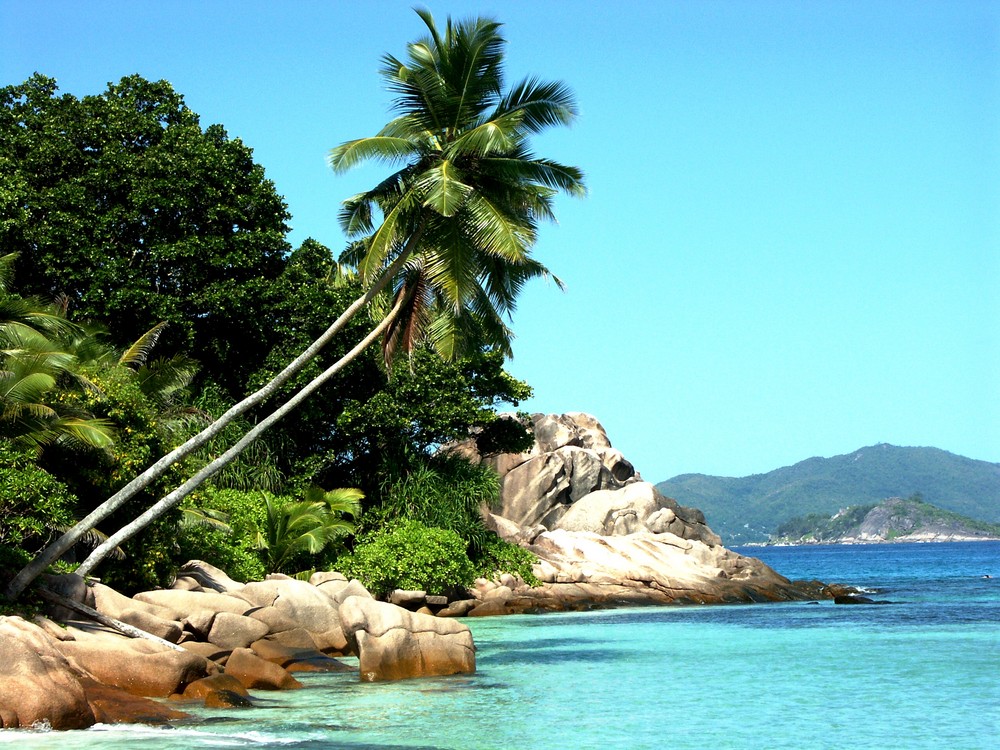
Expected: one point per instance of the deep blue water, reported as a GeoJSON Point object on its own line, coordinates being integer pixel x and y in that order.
{"type": "Point", "coordinates": [920, 672]}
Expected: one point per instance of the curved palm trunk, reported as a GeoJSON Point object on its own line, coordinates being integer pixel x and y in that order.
{"type": "Point", "coordinates": [172, 499]}
{"type": "Point", "coordinates": [56, 549]}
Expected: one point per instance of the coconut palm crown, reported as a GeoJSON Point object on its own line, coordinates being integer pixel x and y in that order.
{"type": "Point", "coordinates": [443, 245]}
{"type": "Point", "coordinates": [464, 206]}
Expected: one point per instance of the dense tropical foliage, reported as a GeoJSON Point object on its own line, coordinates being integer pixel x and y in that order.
{"type": "Point", "coordinates": [149, 230]}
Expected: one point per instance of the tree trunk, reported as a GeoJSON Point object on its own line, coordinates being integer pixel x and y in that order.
{"type": "Point", "coordinates": [124, 628]}
{"type": "Point", "coordinates": [61, 545]}
{"type": "Point", "coordinates": [172, 499]}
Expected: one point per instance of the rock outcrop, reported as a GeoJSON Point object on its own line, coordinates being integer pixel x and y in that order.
{"type": "Point", "coordinates": [38, 684]}
{"type": "Point", "coordinates": [393, 643]}
{"type": "Point", "coordinates": [604, 536]}
{"type": "Point", "coordinates": [217, 639]}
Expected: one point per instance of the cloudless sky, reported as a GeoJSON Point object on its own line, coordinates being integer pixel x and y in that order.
{"type": "Point", "coordinates": [791, 245]}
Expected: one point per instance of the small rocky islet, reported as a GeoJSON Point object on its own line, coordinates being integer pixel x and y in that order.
{"type": "Point", "coordinates": [603, 537]}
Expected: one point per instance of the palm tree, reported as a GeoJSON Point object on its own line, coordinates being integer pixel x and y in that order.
{"type": "Point", "coordinates": [307, 526]}
{"type": "Point", "coordinates": [35, 364]}
{"type": "Point", "coordinates": [456, 225]}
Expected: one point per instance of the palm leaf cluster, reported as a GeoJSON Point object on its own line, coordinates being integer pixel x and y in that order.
{"type": "Point", "coordinates": [294, 529]}
{"type": "Point", "coordinates": [34, 363]}
{"type": "Point", "coordinates": [43, 354]}
{"type": "Point", "coordinates": [463, 208]}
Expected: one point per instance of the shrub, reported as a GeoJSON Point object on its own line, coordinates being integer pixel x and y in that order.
{"type": "Point", "coordinates": [295, 533]}
{"type": "Point", "coordinates": [500, 556]}
{"type": "Point", "coordinates": [218, 548]}
{"type": "Point", "coordinates": [410, 555]}
{"type": "Point", "coordinates": [234, 550]}
{"type": "Point", "coordinates": [447, 493]}
{"type": "Point", "coordinates": [33, 504]}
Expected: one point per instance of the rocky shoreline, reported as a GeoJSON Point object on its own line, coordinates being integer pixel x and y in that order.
{"type": "Point", "coordinates": [208, 639]}
{"type": "Point", "coordinates": [603, 538]}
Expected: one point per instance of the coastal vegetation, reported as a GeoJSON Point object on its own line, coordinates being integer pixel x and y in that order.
{"type": "Point", "coordinates": [129, 229]}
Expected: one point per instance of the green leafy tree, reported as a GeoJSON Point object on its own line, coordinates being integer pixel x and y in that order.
{"type": "Point", "coordinates": [123, 203]}
{"type": "Point", "coordinates": [458, 222]}
{"type": "Point", "coordinates": [424, 406]}
{"type": "Point", "coordinates": [33, 506]}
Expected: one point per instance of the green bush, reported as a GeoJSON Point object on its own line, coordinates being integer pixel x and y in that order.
{"type": "Point", "coordinates": [447, 492]}
{"type": "Point", "coordinates": [235, 550]}
{"type": "Point", "coordinates": [410, 555]}
{"type": "Point", "coordinates": [218, 548]}
{"type": "Point", "coordinates": [267, 533]}
{"type": "Point", "coordinates": [500, 556]}
{"type": "Point", "coordinates": [33, 504]}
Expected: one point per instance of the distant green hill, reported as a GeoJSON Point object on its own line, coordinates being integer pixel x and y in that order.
{"type": "Point", "coordinates": [748, 509]}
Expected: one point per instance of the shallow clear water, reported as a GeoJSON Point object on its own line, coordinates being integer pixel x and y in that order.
{"type": "Point", "coordinates": [922, 672]}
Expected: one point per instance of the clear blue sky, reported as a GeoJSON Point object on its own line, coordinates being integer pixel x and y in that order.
{"type": "Point", "coordinates": [791, 245]}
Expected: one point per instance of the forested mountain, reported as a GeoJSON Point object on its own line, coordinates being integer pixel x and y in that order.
{"type": "Point", "coordinates": [748, 509]}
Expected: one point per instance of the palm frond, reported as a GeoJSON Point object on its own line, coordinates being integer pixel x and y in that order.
{"type": "Point", "coordinates": [382, 148]}
{"type": "Point", "coordinates": [192, 516]}
{"type": "Point", "coordinates": [544, 104]}
{"type": "Point", "coordinates": [498, 135]}
{"type": "Point", "coordinates": [389, 236]}
{"type": "Point", "coordinates": [443, 188]}
{"type": "Point", "coordinates": [344, 500]}
{"type": "Point", "coordinates": [94, 538]}
{"type": "Point", "coordinates": [497, 232]}
{"type": "Point", "coordinates": [162, 378]}
{"type": "Point", "coordinates": [7, 271]}
{"type": "Point", "coordinates": [94, 433]}
{"type": "Point", "coordinates": [137, 354]}
{"type": "Point", "coordinates": [355, 216]}
{"type": "Point", "coordinates": [406, 327]}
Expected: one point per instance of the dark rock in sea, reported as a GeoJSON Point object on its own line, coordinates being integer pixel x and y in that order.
{"type": "Point", "coordinates": [857, 599]}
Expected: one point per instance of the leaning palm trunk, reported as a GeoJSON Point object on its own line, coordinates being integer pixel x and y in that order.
{"type": "Point", "coordinates": [172, 499]}
{"type": "Point", "coordinates": [64, 543]}
{"type": "Point", "coordinates": [469, 192]}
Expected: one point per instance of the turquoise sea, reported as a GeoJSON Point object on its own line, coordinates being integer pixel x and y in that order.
{"type": "Point", "coordinates": [921, 672]}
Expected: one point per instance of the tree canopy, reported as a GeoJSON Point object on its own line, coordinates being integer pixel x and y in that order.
{"type": "Point", "coordinates": [163, 222]}
{"type": "Point", "coordinates": [462, 210]}
{"type": "Point", "coordinates": [122, 203]}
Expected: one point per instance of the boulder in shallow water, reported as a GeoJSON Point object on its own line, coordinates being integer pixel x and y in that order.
{"type": "Point", "coordinates": [307, 606]}
{"type": "Point", "coordinates": [138, 666]}
{"type": "Point", "coordinates": [112, 705]}
{"type": "Point", "coordinates": [199, 689]}
{"type": "Point", "coordinates": [255, 673]}
{"type": "Point", "coordinates": [37, 683]}
{"type": "Point", "coordinates": [394, 644]}
{"type": "Point", "coordinates": [297, 658]}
